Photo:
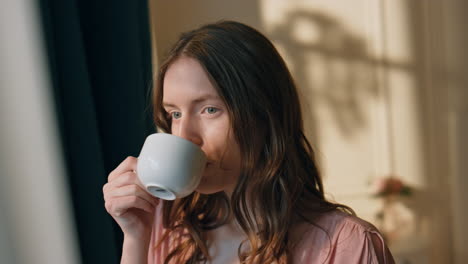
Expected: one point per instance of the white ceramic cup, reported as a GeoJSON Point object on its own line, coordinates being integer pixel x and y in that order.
{"type": "Point", "coordinates": [169, 166]}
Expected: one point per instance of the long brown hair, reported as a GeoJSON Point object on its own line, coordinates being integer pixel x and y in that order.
{"type": "Point", "coordinates": [279, 178]}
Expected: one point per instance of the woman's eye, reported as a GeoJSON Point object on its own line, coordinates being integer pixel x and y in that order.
{"type": "Point", "coordinates": [176, 115]}
{"type": "Point", "coordinates": [211, 110]}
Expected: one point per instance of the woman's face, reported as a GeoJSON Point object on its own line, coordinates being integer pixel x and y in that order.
{"type": "Point", "coordinates": [198, 114]}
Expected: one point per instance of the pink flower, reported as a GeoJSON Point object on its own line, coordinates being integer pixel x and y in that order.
{"type": "Point", "coordinates": [388, 186]}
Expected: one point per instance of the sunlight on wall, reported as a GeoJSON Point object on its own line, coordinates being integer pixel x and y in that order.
{"type": "Point", "coordinates": [324, 43]}
{"type": "Point", "coordinates": [362, 70]}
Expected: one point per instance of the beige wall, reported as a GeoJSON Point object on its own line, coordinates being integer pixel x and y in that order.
{"type": "Point", "coordinates": [170, 18]}
{"type": "Point", "coordinates": [382, 83]}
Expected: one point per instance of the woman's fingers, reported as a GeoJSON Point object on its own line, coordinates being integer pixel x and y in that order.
{"type": "Point", "coordinates": [120, 205]}
{"type": "Point", "coordinates": [131, 190]}
{"type": "Point", "coordinates": [126, 178]}
{"type": "Point", "coordinates": [123, 191]}
{"type": "Point", "coordinates": [129, 164]}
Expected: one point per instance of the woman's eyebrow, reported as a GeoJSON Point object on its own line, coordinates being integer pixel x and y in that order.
{"type": "Point", "coordinates": [168, 105]}
{"type": "Point", "coordinates": [205, 98]}
{"type": "Point", "coordinates": [195, 101]}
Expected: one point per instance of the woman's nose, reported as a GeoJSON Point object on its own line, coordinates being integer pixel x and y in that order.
{"type": "Point", "coordinates": [189, 130]}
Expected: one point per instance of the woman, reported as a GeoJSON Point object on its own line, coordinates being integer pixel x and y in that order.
{"type": "Point", "coordinates": [261, 199]}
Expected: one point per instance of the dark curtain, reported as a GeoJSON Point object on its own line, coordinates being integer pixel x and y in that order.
{"type": "Point", "coordinates": [100, 61]}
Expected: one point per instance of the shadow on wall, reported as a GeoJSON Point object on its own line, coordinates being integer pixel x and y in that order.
{"type": "Point", "coordinates": [331, 66]}
{"type": "Point", "coordinates": [337, 76]}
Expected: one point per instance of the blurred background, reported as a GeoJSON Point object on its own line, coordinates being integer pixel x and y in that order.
{"type": "Point", "coordinates": [383, 85]}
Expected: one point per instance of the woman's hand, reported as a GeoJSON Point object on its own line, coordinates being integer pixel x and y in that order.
{"type": "Point", "coordinates": [128, 203]}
